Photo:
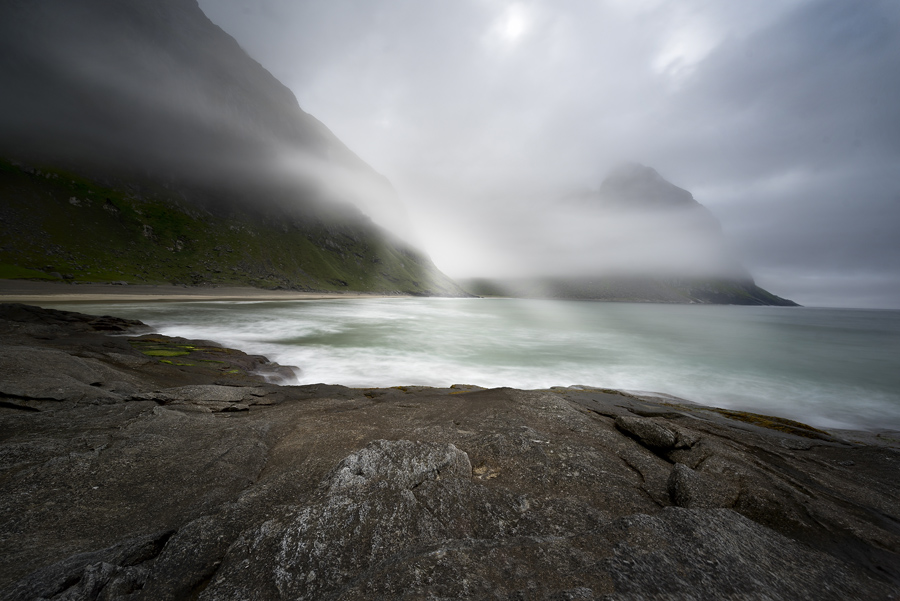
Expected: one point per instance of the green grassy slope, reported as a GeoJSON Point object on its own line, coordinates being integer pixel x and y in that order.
{"type": "Point", "coordinates": [58, 225]}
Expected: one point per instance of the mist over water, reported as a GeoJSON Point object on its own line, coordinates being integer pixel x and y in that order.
{"type": "Point", "coordinates": [827, 367]}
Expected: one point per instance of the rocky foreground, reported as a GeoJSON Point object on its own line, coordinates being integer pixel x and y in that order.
{"type": "Point", "coordinates": [138, 466]}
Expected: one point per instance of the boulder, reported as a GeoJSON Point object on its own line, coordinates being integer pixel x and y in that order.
{"type": "Point", "coordinates": [651, 433]}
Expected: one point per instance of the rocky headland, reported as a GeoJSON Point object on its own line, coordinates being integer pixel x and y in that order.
{"type": "Point", "coordinates": [640, 239]}
{"type": "Point", "coordinates": [139, 466]}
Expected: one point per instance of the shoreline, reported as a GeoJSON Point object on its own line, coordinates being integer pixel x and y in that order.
{"type": "Point", "coordinates": [26, 291]}
{"type": "Point", "coordinates": [128, 453]}
{"type": "Point", "coordinates": [59, 295]}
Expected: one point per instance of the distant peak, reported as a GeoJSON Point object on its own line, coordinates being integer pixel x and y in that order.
{"type": "Point", "coordinates": [630, 170]}
{"type": "Point", "coordinates": [639, 185]}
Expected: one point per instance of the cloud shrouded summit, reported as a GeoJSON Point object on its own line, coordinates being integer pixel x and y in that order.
{"type": "Point", "coordinates": [781, 117]}
{"type": "Point", "coordinates": [635, 223]}
{"type": "Point", "coordinates": [157, 88]}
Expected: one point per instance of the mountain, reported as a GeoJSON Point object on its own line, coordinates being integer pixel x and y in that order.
{"type": "Point", "coordinates": [57, 225]}
{"type": "Point", "coordinates": [638, 238]}
{"type": "Point", "coordinates": [141, 132]}
{"type": "Point", "coordinates": [659, 228]}
{"type": "Point", "coordinates": [641, 289]}
{"type": "Point", "coordinates": [633, 185]}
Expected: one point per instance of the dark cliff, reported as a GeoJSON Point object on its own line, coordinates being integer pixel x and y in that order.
{"type": "Point", "coordinates": [151, 114]}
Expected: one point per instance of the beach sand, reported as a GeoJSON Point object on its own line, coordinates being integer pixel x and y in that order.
{"type": "Point", "coordinates": [24, 291]}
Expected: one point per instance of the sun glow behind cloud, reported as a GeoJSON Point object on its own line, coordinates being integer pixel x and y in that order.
{"type": "Point", "coordinates": [510, 27]}
{"type": "Point", "coordinates": [685, 47]}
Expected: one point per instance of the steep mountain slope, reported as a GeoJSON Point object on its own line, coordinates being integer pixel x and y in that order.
{"type": "Point", "coordinates": [141, 141]}
{"type": "Point", "coordinates": [128, 81]}
{"type": "Point", "coordinates": [55, 225]}
{"type": "Point", "coordinates": [640, 238]}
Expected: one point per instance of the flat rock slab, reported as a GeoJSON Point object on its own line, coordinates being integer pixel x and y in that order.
{"type": "Point", "coordinates": [202, 393]}
{"type": "Point", "coordinates": [26, 376]}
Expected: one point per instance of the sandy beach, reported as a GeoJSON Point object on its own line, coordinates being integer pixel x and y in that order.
{"type": "Point", "coordinates": [24, 291]}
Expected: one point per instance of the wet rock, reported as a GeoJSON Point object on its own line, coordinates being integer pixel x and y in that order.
{"type": "Point", "coordinates": [719, 554]}
{"type": "Point", "coordinates": [655, 435]}
{"type": "Point", "coordinates": [393, 520]}
{"type": "Point", "coordinates": [401, 464]}
{"type": "Point", "coordinates": [29, 318]}
{"type": "Point", "coordinates": [189, 559]}
{"type": "Point", "coordinates": [403, 520]}
{"type": "Point", "coordinates": [696, 490]}
{"type": "Point", "coordinates": [83, 355]}
{"type": "Point", "coordinates": [210, 398]}
{"type": "Point", "coordinates": [74, 379]}
{"type": "Point", "coordinates": [202, 393]}
{"type": "Point", "coordinates": [83, 576]}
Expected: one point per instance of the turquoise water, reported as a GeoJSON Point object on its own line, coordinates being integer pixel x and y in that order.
{"type": "Point", "coordinates": [827, 367]}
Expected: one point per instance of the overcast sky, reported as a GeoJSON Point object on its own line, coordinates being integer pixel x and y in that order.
{"type": "Point", "coordinates": [781, 116]}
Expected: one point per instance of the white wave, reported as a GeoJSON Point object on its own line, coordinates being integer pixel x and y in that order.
{"type": "Point", "coordinates": [835, 368]}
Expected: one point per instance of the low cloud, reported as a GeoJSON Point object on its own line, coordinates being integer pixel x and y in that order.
{"type": "Point", "coordinates": [783, 118]}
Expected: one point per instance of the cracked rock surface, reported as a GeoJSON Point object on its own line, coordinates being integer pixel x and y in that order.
{"type": "Point", "coordinates": [189, 482]}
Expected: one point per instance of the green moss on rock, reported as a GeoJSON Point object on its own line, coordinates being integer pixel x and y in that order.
{"type": "Point", "coordinates": [771, 422]}
{"type": "Point", "coordinates": [165, 353]}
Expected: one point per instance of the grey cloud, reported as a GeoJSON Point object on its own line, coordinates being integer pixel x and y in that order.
{"type": "Point", "coordinates": [138, 88]}
{"type": "Point", "coordinates": [782, 117]}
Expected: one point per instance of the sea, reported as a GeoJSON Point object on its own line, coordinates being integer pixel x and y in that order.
{"type": "Point", "coordinates": [830, 368]}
